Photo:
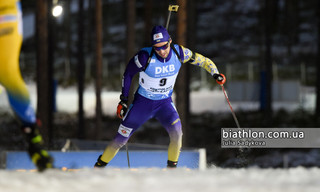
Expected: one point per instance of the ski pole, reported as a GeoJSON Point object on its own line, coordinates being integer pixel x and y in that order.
{"type": "Point", "coordinates": [128, 155]}
{"type": "Point", "coordinates": [171, 8]}
{"type": "Point", "coordinates": [242, 152]}
{"type": "Point", "coordinates": [233, 114]}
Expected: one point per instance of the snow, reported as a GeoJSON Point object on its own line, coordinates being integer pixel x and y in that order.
{"type": "Point", "coordinates": [200, 101]}
{"type": "Point", "coordinates": [160, 180]}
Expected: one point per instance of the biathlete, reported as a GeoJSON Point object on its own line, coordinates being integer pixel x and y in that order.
{"type": "Point", "coordinates": [158, 67]}
{"type": "Point", "coordinates": [10, 78]}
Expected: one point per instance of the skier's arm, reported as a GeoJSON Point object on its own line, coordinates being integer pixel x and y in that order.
{"type": "Point", "coordinates": [198, 59]}
{"type": "Point", "coordinates": [135, 65]}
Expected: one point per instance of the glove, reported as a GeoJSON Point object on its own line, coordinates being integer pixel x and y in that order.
{"type": "Point", "coordinates": [122, 107]}
{"type": "Point", "coordinates": [220, 78]}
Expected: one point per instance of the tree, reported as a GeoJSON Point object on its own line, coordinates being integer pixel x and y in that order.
{"type": "Point", "coordinates": [43, 79]}
{"type": "Point", "coordinates": [291, 23]}
{"type": "Point", "coordinates": [266, 71]}
{"type": "Point", "coordinates": [80, 70]}
{"type": "Point", "coordinates": [317, 113]}
{"type": "Point", "coordinates": [130, 49]}
{"type": "Point", "coordinates": [182, 86]}
{"type": "Point", "coordinates": [98, 56]}
{"type": "Point", "coordinates": [147, 21]}
{"type": "Point", "coordinates": [51, 51]}
{"type": "Point", "coordinates": [131, 19]}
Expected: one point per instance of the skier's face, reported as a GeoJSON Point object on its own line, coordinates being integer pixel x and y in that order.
{"type": "Point", "coordinates": [162, 49]}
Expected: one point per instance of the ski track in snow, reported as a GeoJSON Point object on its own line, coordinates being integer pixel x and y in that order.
{"type": "Point", "coordinates": [163, 180]}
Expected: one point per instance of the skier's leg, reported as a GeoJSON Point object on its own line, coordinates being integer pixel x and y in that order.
{"type": "Point", "coordinates": [169, 118]}
{"type": "Point", "coordinates": [139, 112]}
{"type": "Point", "coordinates": [18, 95]}
{"type": "Point", "coordinates": [116, 144]}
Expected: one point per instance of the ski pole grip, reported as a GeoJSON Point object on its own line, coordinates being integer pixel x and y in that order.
{"type": "Point", "coordinates": [221, 79]}
{"type": "Point", "coordinates": [173, 8]}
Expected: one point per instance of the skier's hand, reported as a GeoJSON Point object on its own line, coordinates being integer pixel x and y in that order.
{"type": "Point", "coordinates": [220, 78]}
{"type": "Point", "coordinates": [122, 109]}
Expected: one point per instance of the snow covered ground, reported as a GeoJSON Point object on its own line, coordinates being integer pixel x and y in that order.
{"type": "Point", "coordinates": [155, 179]}
{"type": "Point", "coordinates": [163, 180]}
{"type": "Point", "coordinates": [201, 101]}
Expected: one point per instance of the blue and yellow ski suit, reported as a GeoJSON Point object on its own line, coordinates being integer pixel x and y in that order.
{"type": "Point", "coordinates": [10, 76]}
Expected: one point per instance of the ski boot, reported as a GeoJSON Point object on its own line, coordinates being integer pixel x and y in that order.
{"type": "Point", "coordinates": [171, 164]}
{"type": "Point", "coordinates": [100, 163]}
{"type": "Point", "coordinates": [39, 156]}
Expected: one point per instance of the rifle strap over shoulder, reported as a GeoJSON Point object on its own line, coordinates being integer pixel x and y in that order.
{"type": "Point", "coordinates": [152, 52]}
{"type": "Point", "coordinates": [149, 60]}
{"type": "Point", "coordinates": [176, 52]}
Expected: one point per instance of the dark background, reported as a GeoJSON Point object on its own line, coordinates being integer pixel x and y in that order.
{"type": "Point", "coordinates": [231, 33]}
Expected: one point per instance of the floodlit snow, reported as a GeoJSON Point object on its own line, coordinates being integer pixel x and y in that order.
{"type": "Point", "coordinates": [200, 101]}
{"type": "Point", "coordinates": [160, 180]}
{"type": "Point", "coordinates": [155, 179]}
